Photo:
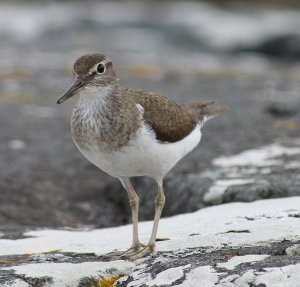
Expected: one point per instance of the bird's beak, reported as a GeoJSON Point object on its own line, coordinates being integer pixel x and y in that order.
{"type": "Point", "coordinates": [74, 89]}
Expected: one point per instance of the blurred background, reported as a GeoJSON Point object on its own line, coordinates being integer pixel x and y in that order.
{"type": "Point", "coordinates": [245, 54]}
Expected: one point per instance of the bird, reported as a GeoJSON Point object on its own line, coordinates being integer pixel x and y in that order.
{"type": "Point", "coordinates": [131, 133]}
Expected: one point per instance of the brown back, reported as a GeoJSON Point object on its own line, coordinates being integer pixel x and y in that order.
{"type": "Point", "coordinates": [170, 121]}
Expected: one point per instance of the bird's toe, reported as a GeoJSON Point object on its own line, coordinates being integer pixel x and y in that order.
{"type": "Point", "coordinates": [143, 252]}
{"type": "Point", "coordinates": [117, 255]}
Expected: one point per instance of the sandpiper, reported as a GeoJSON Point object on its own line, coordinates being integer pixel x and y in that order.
{"type": "Point", "coordinates": [128, 133]}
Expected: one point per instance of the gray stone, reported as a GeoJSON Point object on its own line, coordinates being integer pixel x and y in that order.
{"type": "Point", "coordinates": [252, 192]}
{"type": "Point", "coordinates": [293, 250]}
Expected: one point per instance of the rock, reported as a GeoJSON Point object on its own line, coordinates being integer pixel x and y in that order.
{"type": "Point", "coordinates": [183, 192]}
{"type": "Point", "coordinates": [293, 250]}
{"type": "Point", "coordinates": [267, 172]}
{"type": "Point", "coordinates": [281, 109]}
{"type": "Point", "coordinates": [285, 47]}
{"type": "Point", "coordinates": [217, 192]}
{"type": "Point", "coordinates": [260, 190]}
{"type": "Point", "coordinates": [205, 249]}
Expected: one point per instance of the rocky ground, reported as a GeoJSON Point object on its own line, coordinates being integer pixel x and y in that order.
{"type": "Point", "coordinates": [234, 244]}
{"type": "Point", "coordinates": [237, 244]}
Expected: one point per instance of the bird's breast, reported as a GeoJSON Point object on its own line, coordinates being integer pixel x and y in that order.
{"type": "Point", "coordinates": [103, 126]}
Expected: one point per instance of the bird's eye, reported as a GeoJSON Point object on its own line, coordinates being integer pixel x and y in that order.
{"type": "Point", "coordinates": [100, 68]}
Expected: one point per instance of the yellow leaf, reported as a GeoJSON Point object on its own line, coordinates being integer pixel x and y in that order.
{"type": "Point", "coordinates": [108, 282]}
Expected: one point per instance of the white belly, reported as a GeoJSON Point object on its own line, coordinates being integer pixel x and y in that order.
{"type": "Point", "coordinates": [143, 155]}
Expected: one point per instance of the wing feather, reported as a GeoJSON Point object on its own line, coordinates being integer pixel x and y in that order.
{"type": "Point", "coordinates": [170, 121]}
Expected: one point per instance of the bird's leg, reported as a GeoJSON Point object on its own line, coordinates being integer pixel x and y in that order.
{"type": "Point", "coordinates": [159, 205]}
{"type": "Point", "coordinates": [150, 247]}
{"type": "Point", "coordinates": [134, 204]}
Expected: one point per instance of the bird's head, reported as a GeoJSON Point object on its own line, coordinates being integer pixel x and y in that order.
{"type": "Point", "coordinates": [92, 71]}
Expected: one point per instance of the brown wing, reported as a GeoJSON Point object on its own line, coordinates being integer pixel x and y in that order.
{"type": "Point", "coordinates": [170, 121]}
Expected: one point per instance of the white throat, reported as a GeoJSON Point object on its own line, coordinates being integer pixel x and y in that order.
{"type": "Point", "coordinates": [90, 92]}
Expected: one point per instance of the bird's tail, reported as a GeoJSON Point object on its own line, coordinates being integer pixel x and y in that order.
{"type": "Point", "coordinates": [204, 112]}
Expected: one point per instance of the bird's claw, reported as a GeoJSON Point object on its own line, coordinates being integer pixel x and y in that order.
{"type": "Point", "coordinates": [143, 252]}
{"type": "Point", "coordinates": [133, 253]}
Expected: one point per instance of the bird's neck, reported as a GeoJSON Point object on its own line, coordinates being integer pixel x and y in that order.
{"type": "Point", "coordinates": [95, 98]}
{"type": "Point", "coordinates": [96, 93]}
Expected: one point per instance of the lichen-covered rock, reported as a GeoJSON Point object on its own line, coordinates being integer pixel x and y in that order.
{"type": "Point", "coordinates": [227, 245]}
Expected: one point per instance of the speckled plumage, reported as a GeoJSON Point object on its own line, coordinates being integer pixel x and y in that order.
{"type": "Point", "coordinates": [169, 120]}
{"type": "Point", "coordinates": [108, 122]}
{"type": "Point", "coordinates": [128, 133]}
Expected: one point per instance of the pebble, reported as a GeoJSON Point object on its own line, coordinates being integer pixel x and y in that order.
{"type": "Point", "coordinates": [16, 144]}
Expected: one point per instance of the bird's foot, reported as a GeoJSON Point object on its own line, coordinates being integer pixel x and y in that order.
{"type": "Point", "coordinates": [117, 255]}
{"type": "Point", "coordinates": [142, 252]}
